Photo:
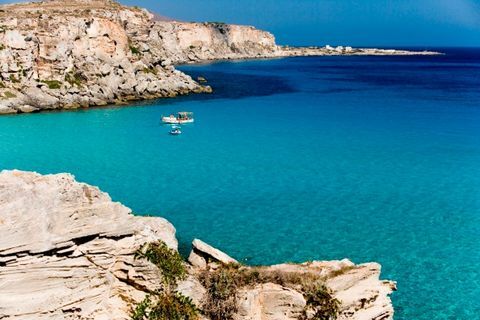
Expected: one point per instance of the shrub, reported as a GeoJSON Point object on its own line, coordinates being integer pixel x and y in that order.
{"type": "Point", "coordinates": [322, 303]}
{"type": "Point", "coordinates": [223, 284]}
{"type": "Point", "coordinates": [222, 290]}
{"type": "Point", "coordinates": [2, 47]}
{"type": "Point", "coordinates": [75, 78]}
{"type": "Point", "coordinates": [142, 309]}
{"type": "Point", "coordinates": [134, 49]}
{"type": "Point", "coordinates": [341, 271]}
{"type": "Point", "coordinates": [52, 84]}
{"type": "Point", "coordinates": [166, 304]}
{"type": "Point", "coordinates": [14, 79]}
{"type": "Point", "coordinates": [9, 95]}
{"type": "Point", "coordinates": [2, 85]}
{"type": "Point", "coordinates": [167, 260]}
{"type": "Point", "coordinates": [151, 70]}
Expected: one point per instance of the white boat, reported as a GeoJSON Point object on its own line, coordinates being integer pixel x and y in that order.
{"type": "Point", "coordinates": [179, 118]}
{"type": "Point", "coordinates": [175, 132]}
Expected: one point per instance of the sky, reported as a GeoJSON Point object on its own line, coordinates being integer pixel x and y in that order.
{"type": "Point", "coordinates": [340, 22]}
{"type": "Point", "coordinates": [399, 23]}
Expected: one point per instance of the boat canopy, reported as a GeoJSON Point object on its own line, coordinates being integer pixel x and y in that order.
{"type": "Point", "coordinates": [185, 115]}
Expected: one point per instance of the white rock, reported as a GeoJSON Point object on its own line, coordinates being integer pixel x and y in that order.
{"type": "Point", "coordinates": [6, 110]}
{"type": "Point", "coordinates": [68, 250]}
{"type": "Point", "coordinates": [270, 302]}
{"type": "Point", "coordinates": [210, 253]}
{"type": "Point", "coordinates": [27, 109]}
{"type": "Point", "coordinates": [14, 39]}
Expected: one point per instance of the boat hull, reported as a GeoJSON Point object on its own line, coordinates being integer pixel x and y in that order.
{"type": "Point", "coordinates": [176, 121]}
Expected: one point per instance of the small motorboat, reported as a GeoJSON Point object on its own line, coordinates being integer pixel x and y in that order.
{"type": "Point", "coordinates": [175, 131]}
{"type": "Point", "coordinates": [179, 118]}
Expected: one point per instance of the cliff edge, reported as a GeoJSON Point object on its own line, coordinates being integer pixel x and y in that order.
{"type": "Point", "coordinates": [80, 53]}
{"type": "Point", "coordinates": [68, 252]}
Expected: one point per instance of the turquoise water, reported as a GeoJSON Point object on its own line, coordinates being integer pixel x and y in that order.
{"type": "Point", "coordinates": [373, 159]}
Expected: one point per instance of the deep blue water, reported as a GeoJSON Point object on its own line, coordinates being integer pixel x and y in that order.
{"type": "Point", "coordinates": [370, 158]}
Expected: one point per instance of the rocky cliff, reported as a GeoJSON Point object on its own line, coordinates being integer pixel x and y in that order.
{"type": "Point", "coordinates": [79, 53]}
{"type": "Point", "coordinates": [68, 252]}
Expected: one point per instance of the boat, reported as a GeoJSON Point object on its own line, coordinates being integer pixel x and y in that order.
{"type": "Point", "coordinates": [179, 118]}
{"type": "Point", "coordinates": [175, 131]}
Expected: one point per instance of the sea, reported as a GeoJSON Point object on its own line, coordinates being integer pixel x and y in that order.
{"type": "Point", "coordinates": [299, 159]}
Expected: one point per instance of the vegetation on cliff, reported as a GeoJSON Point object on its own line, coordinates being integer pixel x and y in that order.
{"type": "Point", "coordinates": [167, 303]}
{"type": "Point", "coordinates": [223, 285]}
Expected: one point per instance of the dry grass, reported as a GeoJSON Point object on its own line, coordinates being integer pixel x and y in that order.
{"type": "Point", "coordinates": [224, 284]}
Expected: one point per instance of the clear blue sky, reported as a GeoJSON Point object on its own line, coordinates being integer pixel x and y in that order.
{"type": "Point", "coordinates": [339, 22]}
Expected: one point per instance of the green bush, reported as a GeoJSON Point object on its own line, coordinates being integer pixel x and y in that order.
{"type": "Point", "coordinates": [75, 78]}
{"type": "Point", "coordinates": [222, 290]}
{"type": "Point", "coordinates": [52, 84]}
{"type": "Point", "coordinates": [167, 260]}
{"type": "Point", "coordinates": [166, 304]}
{"type": "Point", "coordinates": [151, 70]}
{"type": "Point", "coordinates": [322, 303]}
{"type": "Point", "coordinates": [142, 309]}
{"type": "Point", "coordinates": [134, 49]}
{"type": "Point", "coordinates": [9, 95]}
{"type": "Point", "coordinates": [14, 79]}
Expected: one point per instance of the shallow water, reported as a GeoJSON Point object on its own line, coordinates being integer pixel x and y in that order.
{"type": "Point", "coordinates": [370, 158]}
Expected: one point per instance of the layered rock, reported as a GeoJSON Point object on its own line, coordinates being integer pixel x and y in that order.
{"type": "Point", "coordinates": [67, 252]}
{"type": "Point", "coordinates": [83, 53]}
{"type": "Point", "coordinates": [71, 54]}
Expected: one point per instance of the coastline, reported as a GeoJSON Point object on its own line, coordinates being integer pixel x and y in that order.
{"type": "Point", "coordinates": [113, 54]}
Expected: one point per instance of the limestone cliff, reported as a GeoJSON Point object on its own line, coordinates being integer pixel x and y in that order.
{"type": "Point", "coordinates": [69, 54]}
{"type": "Point", "coordinates": [67, 252]}
{"type": "Point", "coordinates": [73, 54]}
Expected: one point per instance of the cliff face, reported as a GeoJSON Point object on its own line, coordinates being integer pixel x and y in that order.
{"type": "Point", "coordinates": [191, 42]}
{"type": "Point", "coordinates": [88, 53]}
{"type": "Point", "coordinates": [80, 53]}
{"type": "Point", "coordinates": [67, 252]}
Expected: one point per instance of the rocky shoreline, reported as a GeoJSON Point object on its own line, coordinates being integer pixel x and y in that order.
{"type": "Point", "coordinates": [57, 55]}
{"type": "Point", "coordinates": [67, 251]}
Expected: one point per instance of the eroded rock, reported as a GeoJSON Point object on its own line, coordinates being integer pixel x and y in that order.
{"type": "Point", "coordinates": [67, 252]}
